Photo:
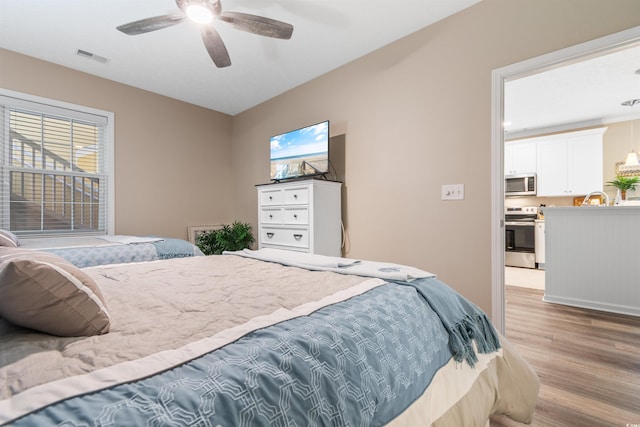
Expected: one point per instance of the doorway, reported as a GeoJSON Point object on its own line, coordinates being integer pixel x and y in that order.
{"type": "Point", "coordinates": [516, 71]}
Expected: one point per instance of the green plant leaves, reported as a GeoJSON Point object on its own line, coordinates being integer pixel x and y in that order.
{"type": "Point", "coordinates": [625, 182]}
{"type": "Point", "coordinates": [234, 237]}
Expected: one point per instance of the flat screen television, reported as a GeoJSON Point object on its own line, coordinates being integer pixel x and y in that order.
{"type": "Point", "coordinates": [300, 153]}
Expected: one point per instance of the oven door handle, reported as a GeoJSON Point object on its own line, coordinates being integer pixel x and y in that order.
{"type": "Point", "coordinates": [523, 223]}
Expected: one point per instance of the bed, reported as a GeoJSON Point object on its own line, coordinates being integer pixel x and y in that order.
{"type": "Point", "coordinates": [255, 338]}
{"type": "Point", "coordinates": [89, 251]}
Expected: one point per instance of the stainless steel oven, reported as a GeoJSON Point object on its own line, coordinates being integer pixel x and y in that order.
{"type": "Point", "coordinates": [520, 231]}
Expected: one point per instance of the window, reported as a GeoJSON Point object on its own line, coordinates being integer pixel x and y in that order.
{"type": "Point", "coordinates": [55, 167]}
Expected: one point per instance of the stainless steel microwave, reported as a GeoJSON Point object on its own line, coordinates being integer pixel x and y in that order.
{"type": "Point", "coordinates": [520, 185]}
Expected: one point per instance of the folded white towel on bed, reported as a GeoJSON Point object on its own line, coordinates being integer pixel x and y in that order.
{"type": "Point", "coordinates": [299, 258]}
{"type": "Point", "coordinates": [125, 240]}
{"type": "Point", "coordinates": [382, 270]}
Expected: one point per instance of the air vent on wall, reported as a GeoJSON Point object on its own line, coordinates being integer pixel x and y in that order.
{"type": "Point", "coordinates": [92, 56]}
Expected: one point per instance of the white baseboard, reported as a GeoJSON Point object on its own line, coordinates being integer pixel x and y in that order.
{"type": "Point", "coordinates": [593, 305]}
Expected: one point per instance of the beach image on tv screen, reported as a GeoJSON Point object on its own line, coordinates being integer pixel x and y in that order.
{"type": "Point", "coordinates": [300, 152]}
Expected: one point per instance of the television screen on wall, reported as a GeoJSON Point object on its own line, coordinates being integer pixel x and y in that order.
{"type": "Point", "coordinates": [300, 153]}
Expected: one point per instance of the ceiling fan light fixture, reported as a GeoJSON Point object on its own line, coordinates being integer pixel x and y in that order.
{"type": "Point", "coordinates": [630, 102]}
{"type": "Point", "coordinates": [204, 12]}
{"type": "Point", "coordinates": [198, 12]}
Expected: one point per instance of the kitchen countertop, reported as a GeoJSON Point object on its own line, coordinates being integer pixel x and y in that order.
{"type": "Point", "coordinates": [591, 209]}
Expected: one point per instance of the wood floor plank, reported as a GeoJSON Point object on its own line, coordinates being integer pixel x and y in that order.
{"type": "Point", "coordinates": [588, 361]}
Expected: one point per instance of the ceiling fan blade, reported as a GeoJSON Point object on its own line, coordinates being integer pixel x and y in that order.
{"type": "Point", "coordinates": [258, 25]}
{"type": "Point", "coordinates": [215, 46]}
{"type": "Point", "coordinates": [150, 24]}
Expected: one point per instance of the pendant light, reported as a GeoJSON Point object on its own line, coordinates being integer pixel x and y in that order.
{"type": "Point", "coordinates": [632, 159]}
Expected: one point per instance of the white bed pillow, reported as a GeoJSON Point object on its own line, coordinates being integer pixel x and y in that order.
{"type": "Point", "coordinates": [44, 292]}
{"type": "Point", "coordinates": [8, 239]}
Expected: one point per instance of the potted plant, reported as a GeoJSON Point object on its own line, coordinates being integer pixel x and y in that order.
{"type": "Point", "coordinates": [624, 183]}
{"type": "Point", "coordinates": [234, 237]}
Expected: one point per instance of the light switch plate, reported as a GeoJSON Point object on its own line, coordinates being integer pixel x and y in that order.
{"type": "Point", "coordinates": [453, 192]}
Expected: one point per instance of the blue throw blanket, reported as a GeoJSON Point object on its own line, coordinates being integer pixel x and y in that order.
{"type": "Point", "coordinates": [175, 248]}
{"type": "Point", "coordinates": [462, 319]}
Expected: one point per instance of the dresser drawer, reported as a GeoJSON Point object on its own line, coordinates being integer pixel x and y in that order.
{"type": "Point", "coordinates": [297, 237]}
{"type": "Point", "coordinates": [296, 196]}
{"type": "Point", "coordinates": [271, 197]}
{"type": "Point", "coordinates": [272, 216]}
{"type": "Point", "coordinates": [296, 216]}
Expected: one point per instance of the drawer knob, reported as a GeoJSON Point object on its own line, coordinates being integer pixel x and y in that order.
{"type": "Point", "coordinates": [297, 236]}
{"type": "Point", "coordinates": [269, 235]}
{"type": "Point", "coordinates": [295, 216]}
{"type": "Point", "coordinates": [270, 216]}
{"type": "Point", "coordinates": [295, 196]}
{"type": "Point", "coordinates": [270, 197]}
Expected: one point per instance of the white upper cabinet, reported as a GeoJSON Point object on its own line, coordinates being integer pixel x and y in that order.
{"type": "Point", "coordinates": [570, 164]}
{"type": "Point", "coordinates": [586, 170]}
{"type": "Point", "coordinates": [552, 170]}
{"type": "Point", "coordinates": [519, 157]}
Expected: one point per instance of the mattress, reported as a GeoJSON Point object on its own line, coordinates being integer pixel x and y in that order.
{"type": "Point", "coordinates": [236, 340]}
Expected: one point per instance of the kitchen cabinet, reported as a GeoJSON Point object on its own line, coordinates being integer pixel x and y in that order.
{"type": "Point", "coordinates": [519, 157]}
{"type": "Point", "coordinates": [570, 164]}
{"type": "Point", "coordinates": [303, 216]}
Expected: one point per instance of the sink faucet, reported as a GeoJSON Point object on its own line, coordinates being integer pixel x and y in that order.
{"type": "Point", "coordinates": [604, 195]}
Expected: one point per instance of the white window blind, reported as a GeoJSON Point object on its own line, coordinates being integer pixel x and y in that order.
{"type": "Point", "coordinates": [54, 175]}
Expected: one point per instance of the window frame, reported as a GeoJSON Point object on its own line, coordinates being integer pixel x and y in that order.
{"type": "Point", "coordinates": [49, 106]}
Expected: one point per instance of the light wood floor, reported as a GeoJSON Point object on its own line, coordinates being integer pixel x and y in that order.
{"type": "Point", "coordinates": [588, 362]}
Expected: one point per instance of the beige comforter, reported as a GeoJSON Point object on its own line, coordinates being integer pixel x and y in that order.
{"type": "Point", "coordinates": [151, 311]}
{"type": "Point", "coordinates": [155, 317]}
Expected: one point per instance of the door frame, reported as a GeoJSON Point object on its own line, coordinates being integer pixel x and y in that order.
{"type": "Point", "coordinates": [515, 71]}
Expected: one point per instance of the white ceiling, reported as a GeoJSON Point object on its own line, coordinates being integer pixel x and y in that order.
{"type": "Point", "coordinates": [174, 62]}
{"type": "Point", "coordinates": [583, 93]}
{"type": "Point", "coordinates": [327, 34]}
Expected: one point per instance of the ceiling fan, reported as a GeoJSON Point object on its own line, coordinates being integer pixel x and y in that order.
{"type": "Point", "coordinates": [204, 12]}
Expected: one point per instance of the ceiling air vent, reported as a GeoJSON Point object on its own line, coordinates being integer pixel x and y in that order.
{"type": "Point", "coordinates": [92, 56]}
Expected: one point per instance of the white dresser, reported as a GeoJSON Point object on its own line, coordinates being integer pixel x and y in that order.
{"type": "Point", "coordinates": [302, 216]}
